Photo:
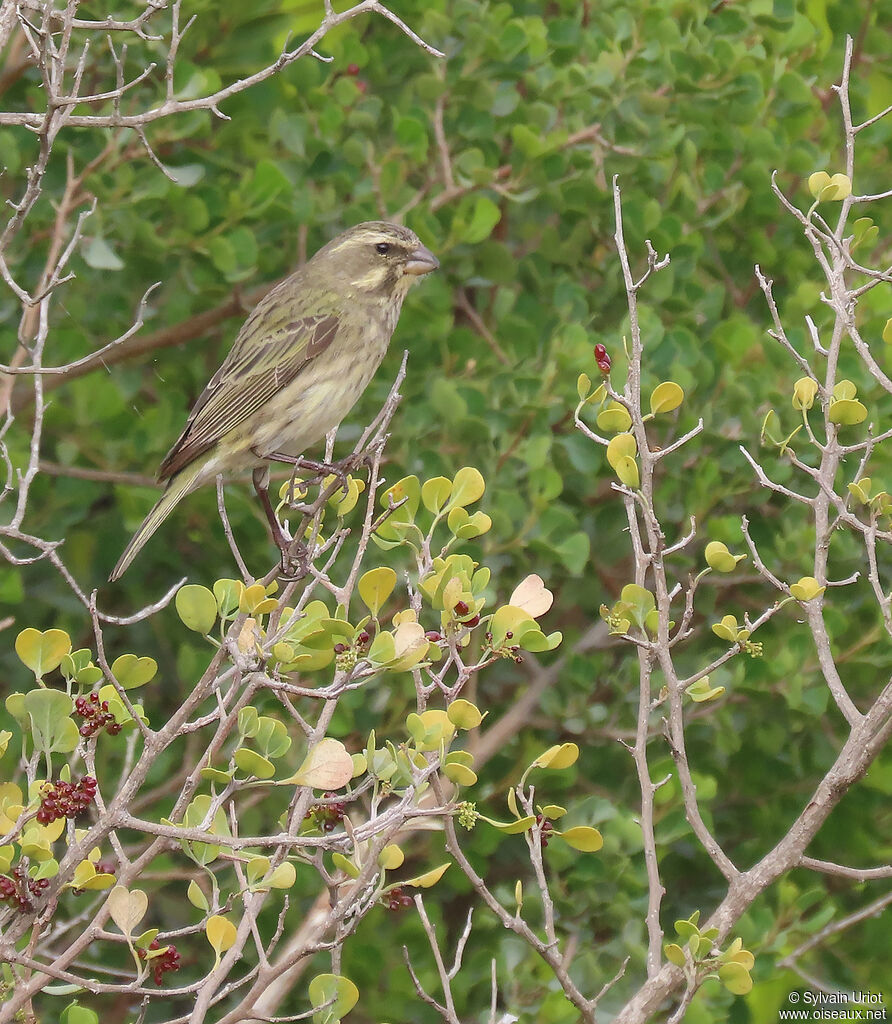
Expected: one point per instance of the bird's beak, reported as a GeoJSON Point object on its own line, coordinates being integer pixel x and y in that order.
{"type": "Point", "coordinates": [421, 261]}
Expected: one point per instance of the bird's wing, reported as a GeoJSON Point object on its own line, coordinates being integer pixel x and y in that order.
{"type": "Point", "coordinates": [250, 376]}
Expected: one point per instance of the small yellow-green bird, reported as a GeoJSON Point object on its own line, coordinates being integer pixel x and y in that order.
{"type": "Point", "coordinates": [304, 356]}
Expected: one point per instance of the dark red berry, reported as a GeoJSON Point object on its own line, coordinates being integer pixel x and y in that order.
{"type": "Point", "coordinates": [461, 608]}
{"type": "Point", "coordinates": [433, 636]}
{"type": "Point", "coordinates": [604, 365]}
{"type": "Point", "coordinates": [600, 352]}
{"type": "Point", "coordinates": [340, 648]}
{"type": "Point", "coordinates": [475, 621]}
{"type": "Point", "coordinates": [363, 637]}
{"type": "Point", "coordinates": [352, 69]}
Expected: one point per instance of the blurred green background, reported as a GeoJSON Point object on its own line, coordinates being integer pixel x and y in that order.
{"type": "Point", "coordinates": [693, 105]}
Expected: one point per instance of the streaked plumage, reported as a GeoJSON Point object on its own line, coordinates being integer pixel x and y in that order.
{"type": "Point", "coordinates": [300, 362]}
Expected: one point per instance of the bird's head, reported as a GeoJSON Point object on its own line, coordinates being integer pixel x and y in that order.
{"type": "Point", "coordinates": [377, 258]}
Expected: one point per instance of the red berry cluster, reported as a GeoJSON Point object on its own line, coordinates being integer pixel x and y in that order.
{"type": "Point", "coordinates": [513, 651]}
{"type": "Point", "coordinates": [545, 829]}
{"type": "Point", "coordinates": [460, 610]}
{"type": "Point", "coordinates": [396, 900]}
{"type": "Point", "coordinates": [602, 359]}
{"type": "Point", "coordinates": [97, 716]}
{"type": "Point", "coordinates": [327, 816]}
{"type": "Point", "coordinates": [357, 649]}
{"type": "Point", "coordinates": [65, 799]}
{"type": "Point", "coordinates": [168, 961]}
{"type": "Point", "coordinates": [18, 890]}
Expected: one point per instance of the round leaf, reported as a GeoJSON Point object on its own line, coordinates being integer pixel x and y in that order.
{"type": "Point", "coordinates": [197, 608]}
{"type": "Point", "coordinates": [665, 397]}
{"type": "Point", "coordinates": [375, 586]}
{"type": "Point", "coordinates": [221, 933]}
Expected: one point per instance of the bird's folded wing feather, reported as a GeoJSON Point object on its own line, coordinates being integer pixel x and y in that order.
{"type": "Point", "coordinates": [255, 370]}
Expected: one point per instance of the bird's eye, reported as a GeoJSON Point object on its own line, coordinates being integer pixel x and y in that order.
{"type": "Point", "coordinates": [383, 248]}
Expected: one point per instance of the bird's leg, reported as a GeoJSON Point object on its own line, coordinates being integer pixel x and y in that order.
{"type": "Point", "coordinates": [260, 479]}
{"type": "Point", "coordinates": [293, 551]}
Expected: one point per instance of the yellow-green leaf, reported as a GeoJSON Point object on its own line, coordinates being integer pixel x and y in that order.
{"type": "Point", "coordinates": [464, 714]}
{"type": "Point", "coordinates": [583, 837]}
{"type": "Point", "coordinates": [735, 977]}
{"type": "Point", "coordinates": [620, 446]}
{"type": "Point", "coordinates": [614, 419]}
{"type": "Point", "coordinates": [468, 486]}
{"type": "Point", "coordinates": [806, 589]}
{"type": "Point", "coordinates": [718, 557]}
{"type": "Point", "coordinates": [338, 996]}
{"type": "Point", "coordinates": [665, 397]}
{"type": "Point", "coordinates": [197, 608]}
{"type": "Point", "coordinates": [131, 671]}
{"type": "Point", "coordinates": [804, 391]}
{"type": "Point", "coordinates": [560, 756]}
{"type": "Point", "coordinates": [847, 412]}
{"type": "Point", "coordinates": [435, 493]}
{"type": "Point", "coordinates": [626, 469]}
{"type": "Point", "coordinates": [429, 878]}
{"type": "Point", "coordinates": [221, 933]}
{"type": "Point", "coordinates": [42, 652]}
{"type": "Point", "coordinates": [375, 586]}
{"type": "Point", "coordinates": [817, 182]}
{"type": "Point", "coordinates": [196, 897]}
{"type": "Point", "coordinates": [391, 857]}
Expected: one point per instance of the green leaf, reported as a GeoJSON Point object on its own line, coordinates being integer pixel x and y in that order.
{"type": "Point", "coordinates": [99, 255]}
{"type": "Point", "coordinates": [131, 671]}
{"type": "Point", "coordinates": [736, 978]}
{"type": "Point", "coordinates": [197, 608]}
{"type": "Point", "coordinates": [76, 1014]}
{"type": "Point", "coordinates": [484, 218]}
{"type": "Point", "coordinates": [435, 493]}
{"type": "Point", "coordinates": [252, 763]}
{"type": "Point", "coordinates": [53, 729]}
{"type": "Point", "coordinates": [196, 897]}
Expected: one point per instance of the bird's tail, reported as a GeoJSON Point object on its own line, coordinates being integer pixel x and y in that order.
{"type": "Point", "coordinates": [178, 487]}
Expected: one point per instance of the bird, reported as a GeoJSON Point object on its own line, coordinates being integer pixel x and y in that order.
{"type": "Point", "coordinates": [297, 367]}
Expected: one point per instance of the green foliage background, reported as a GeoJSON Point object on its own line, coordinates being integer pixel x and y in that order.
{"type": "Point", "coordinates": [695, 105]}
